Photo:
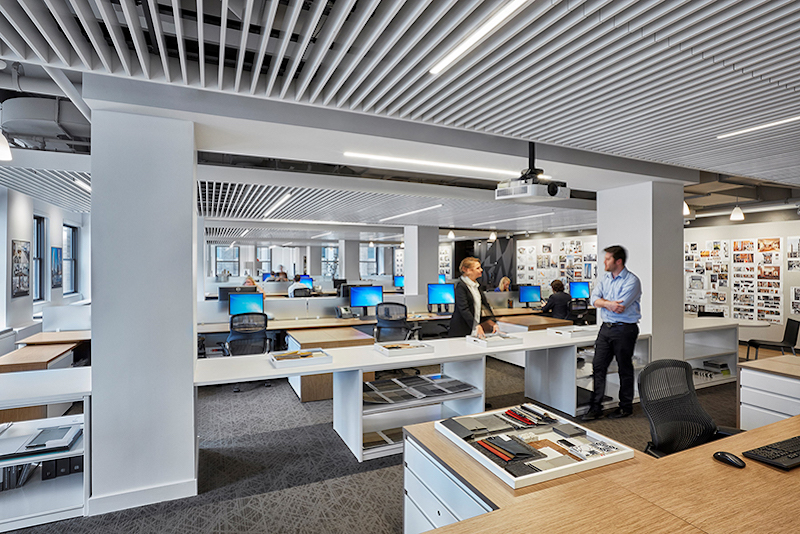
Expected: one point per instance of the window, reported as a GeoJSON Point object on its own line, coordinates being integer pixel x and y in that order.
{"type": "Point", "coordinates": [330, 261]}
{"type": "Point", "coordinates": [367, 263]}
{"type": "Point", "coordinates": [69, 253]}
{"type": "Point", "coordinates": [264, 259]}
{"type": "Point", "coordinates": [228, 260]}
{"type": "Point", "coordinates": [37, 260]}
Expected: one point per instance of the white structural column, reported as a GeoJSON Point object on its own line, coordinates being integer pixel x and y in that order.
{"type": "Point", "coordinates": [314, 256]}
{"type": "Point", "coordinates": [201, 252]}
{"type": "Point", "coordinates": [144, 335]}
{"type": "Point", "coordinates": [647, 220]}
{"type": "Point", "coordinates": [421, 258]}
{"type": "Point", "coordinates": [348, 260]}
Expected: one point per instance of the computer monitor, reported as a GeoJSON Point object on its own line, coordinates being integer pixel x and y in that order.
{"type": "Point", "coordinates": [264, 276]}
{"type": "Point", "coordinates": [399, 281]}
{"type": "Point", "coordinates": [246, 303]}
{"type": "Point", "coordinates": [439, 294]}
{"type": "Point", "coordinates": [365, 296]}
{"type": "Point", "coordinates": [337, 282]}
{"type": "Point", "coordinates": [307, 281]}
{"type": "Point", "coordinates": [579, 290]}
{"type": "Point", "coordinates": [223, 292]}
{"type": "Point", "coordinates": [528, 294]}
{"type": "Point", "coordinates": [442, 279]}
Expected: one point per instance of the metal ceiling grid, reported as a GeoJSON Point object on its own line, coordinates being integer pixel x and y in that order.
{"type": "Point", "coordinates": [649, 79]}
{"type": "Point", "coordinates": [278, 236]}
{"type": "Point", "coordinates": [59, 188]}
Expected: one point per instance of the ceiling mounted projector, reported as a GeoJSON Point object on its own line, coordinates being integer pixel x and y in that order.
{"type": "Point", "coordinates": [531, 186]}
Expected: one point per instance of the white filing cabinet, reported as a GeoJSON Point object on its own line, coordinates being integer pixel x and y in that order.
{"type": "Point", "coordinates": [769, 391]}
{"type": "Point", "coordinates": [434, 497]}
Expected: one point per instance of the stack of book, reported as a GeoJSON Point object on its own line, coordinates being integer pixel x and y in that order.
{"type": "Point", "coordinates": [16, 476]}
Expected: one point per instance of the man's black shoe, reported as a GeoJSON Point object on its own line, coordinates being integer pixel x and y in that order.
{"type": "Point", "coordinates": [619, 413]}
{"type": "Point", "coordinates": [591, 415]}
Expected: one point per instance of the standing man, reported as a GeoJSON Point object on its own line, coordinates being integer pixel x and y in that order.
{"type": "Point", "coordinates": [616, 297]}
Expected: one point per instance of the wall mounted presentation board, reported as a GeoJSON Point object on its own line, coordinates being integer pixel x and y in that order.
{"type": "Point", "coordinates": [499, 339]}
{"type": "Point", "coordinates": [299, 358]}
{"type": "Point", "coordinates": [403, 348]}
{"type": "Point", "coordinates": [574, 331]}
{"type": "Point", "coordinates": [577, 454]}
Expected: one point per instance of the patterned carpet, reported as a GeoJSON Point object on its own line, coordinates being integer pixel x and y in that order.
{"type": "Point", "coordinates": [270, 464]}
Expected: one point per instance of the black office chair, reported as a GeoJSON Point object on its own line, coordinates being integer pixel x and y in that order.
{"type": "Point", "coordinates": [302, 292]}
{"type": "Point", "coordinates": [392, 323]}
{"type": "Point", "coordinates": [677, 420]}
{"type": "Point", "coordinates": [710, 314]}
{"type": "Point", "coordinates": [578, 309]}
{"type": "Point", "coordinates": [248, 335]}
{"type": "Point", "coordinates": [788, 342]}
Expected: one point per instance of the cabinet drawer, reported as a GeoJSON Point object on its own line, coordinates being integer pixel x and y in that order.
{"type": "Point", "coordinates": [769, 382]}
{"type": "Point", "coordinates": [458, 499]}
{"type": "Point", "coordinates": [430, 506]}
{"type": "Point", "coordinates": [413, 520]}
{"type": "Point", "coordinates": [751, 417]}
{"type": "Point", "coordinates": [770, 401]}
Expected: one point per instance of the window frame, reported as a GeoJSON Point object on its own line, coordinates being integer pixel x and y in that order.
{"type": "Point", "coordinates": [237, 261]}
{"type": "Point", "coordinates": [72, 259]}
{"type": "Point", "coordinates": [38, 259]}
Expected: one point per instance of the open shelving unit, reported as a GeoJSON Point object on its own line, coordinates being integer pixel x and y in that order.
{"type": "Point", "coordinates": [711, 339]}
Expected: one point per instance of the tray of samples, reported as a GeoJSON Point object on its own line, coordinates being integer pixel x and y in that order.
{"type": "Point", "coordinates": [402, 348]}
{"type": "Point", "coordinates": [499, 339]}
{"type": "Point", "coordinates": [525, 445]}
{"type": "Point", "coordinates": [299, 358]}
{"type": "Point", "coordinates": [414, 390]}
{"type": "Point", "coordinates": [590, 330]}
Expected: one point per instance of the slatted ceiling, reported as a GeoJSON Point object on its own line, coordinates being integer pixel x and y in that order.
{"type": "Point", "coordinates": [55, 187]}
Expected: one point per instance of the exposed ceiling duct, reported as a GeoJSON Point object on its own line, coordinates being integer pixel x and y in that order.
{"type": "Point", "coordinates": [45, 123]}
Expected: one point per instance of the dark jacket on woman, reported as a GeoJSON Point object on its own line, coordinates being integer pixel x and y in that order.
{"type": "Point", "coordinates": [463, 317]}
{"type": "Point", "coordinates": [559, 303]}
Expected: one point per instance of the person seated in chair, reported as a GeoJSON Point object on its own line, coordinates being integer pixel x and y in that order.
{"type": "Point", "coordinates": [296, 285]}
{"type": "Point", "coordinates": [249, 281]}
{"type": "Point", "coordinates": [558, 302]}
{"type": "Point", "coordinates": [504, 285]}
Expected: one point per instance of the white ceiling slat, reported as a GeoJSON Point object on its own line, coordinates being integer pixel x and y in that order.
{"type": "Point", "coordinates": [201, 42]}
{"type": "Point", "coordinates": [351, 30]}
{"type": "Point", "coordinates": [131, 14]}
{"type": "Point", "coordinates": [15, 15]}
{"type": "Point", "coordinates": [248, 14]}
{"type": "Point", "coordinates": [302, 44]}
{"type": "Point", "coordinates": [66, 21]}
{"type": "Point", "coordinates": [176, 15]}
{"type": "Point", "coordinates": [92, 28]}
{"type": "Point", "coordinates": [266, 27]}
{"type": "Point", "coordinates": [13, 39]}
{"type": "Point", "coordinates": [158, 31]}
{"type": "Point", "coordinates": [289, 22]}
{"type": "Point", "coordinates": [223, 29]}
{"type": "Point", "coordinates": [114, 29]}
{"type": "Point", "coordinates": [48, 27]}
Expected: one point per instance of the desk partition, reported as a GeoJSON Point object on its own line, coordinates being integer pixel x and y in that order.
{"type": "Point", "coordinates": [319, 307]}
{"type": "Point", "coordinates": [58, 318]}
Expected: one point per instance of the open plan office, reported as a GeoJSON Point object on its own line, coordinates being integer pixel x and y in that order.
{"type": "Point", "coordinates": [201, 199]}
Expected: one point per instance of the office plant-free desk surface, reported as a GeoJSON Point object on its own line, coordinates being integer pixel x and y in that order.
{"type": "Point", "coordinates": [48, 338]}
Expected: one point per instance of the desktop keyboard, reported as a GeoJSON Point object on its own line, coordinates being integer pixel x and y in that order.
{"type": "Point", "coordinates": [784, 454]}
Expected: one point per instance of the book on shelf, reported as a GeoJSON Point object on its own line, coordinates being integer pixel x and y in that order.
{"type": "Point", "coordinates": [15, 476]}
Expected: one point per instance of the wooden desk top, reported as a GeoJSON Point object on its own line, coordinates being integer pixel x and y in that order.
{"type": "Point", "coordinates": [330, 337]}
{"type": "Point", "coordinates": [536, 322]}
{"type": "Point", "coordinates": [323, 322]}
{"type": "Point", "coordinates": [787, 365]}
{"type": "Point", "coordinates": [33, 357]}
{"type": "Point", "coordinates": [67, 336]}
{"type": "Point", "coordinates": [506, 312]}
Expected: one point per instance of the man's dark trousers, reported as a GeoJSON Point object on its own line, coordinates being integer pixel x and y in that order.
{"type": "Point", "coordinates": [614, 339]}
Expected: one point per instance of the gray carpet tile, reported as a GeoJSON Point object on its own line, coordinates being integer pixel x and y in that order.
{"type": "Point", "coordinates": [271, 464]}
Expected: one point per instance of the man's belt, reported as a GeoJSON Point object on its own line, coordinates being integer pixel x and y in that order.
{"type": "Point", "coordinates": [616, 324]}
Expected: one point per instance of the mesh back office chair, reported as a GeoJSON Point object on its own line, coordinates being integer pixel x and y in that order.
{"type": "Point", "coordinates": [578, 309]}
{"type": "Point", "coordinates": [393, 326]}
{"type": "Point", "coordinates": [248, 335]}
{"type": "Point", "coordinates": [677, 420]}
{"type": "Point", "coordinates": [788, 342]}
{"type": "Point", "coordinates": [302, 292]}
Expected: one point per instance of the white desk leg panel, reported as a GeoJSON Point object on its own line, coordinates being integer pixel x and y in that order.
{"type": "Point", "coordinates": [294, 381]}
{"type": "Point", "coordinates": [550, 377]}
{"type": "Point", "coordinates": [472, 372]}
{"type": "Point", "coordinates": [348, 399]}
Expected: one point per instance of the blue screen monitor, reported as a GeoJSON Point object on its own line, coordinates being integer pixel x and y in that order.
{"type": "Point", "coordinates": [530, 294]}
{"type": "Point", "coordinates": [246, 303]}
{"type": "Point", "coordinates": [399, 281]}
{"type": "Point", "coordinates": [441, 294]}
{"type": "Point", "coordinates": [307, 281]}
{"type": "Point", "coordinates": [264, 276]}
{"type": "Point", "coordinates": [363, 296]}
{"type": "Point", "coordinates": [442, 279]}
{"type": "Point", "coordinates": [579, 290]}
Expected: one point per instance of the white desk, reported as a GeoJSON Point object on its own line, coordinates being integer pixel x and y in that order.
{"type": "Point", "coordinates": [769, 390]}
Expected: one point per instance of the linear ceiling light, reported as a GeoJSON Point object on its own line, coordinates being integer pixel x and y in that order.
{"type": "Point", "coordinates": [443, 165]}
{"type": "Point", "coordinates": [569, 226]}
{"type": "Point", "coordinates": [515, 219]}
{"type": "Point", "coordinates": [245, 233]}
{"type": "Point", "coordinates": [80, 183]}
{"type": "Point", "coordinates": [286, 244]}
{"type": "Point", "coordinates": [277, 204]}
{"type": "Point", "coordinates": [761, 127]}
{"type": "Point", "coordinates": [475, 37]}
{"type": "Point", "coordinates": [411, 213]}
{"type": "Point", "coordinates": [320, 235]}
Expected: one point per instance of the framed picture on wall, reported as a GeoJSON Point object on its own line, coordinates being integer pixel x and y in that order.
{"type": "Point", "coordinates": [20, 268]}
{"type": "Point", "coordinates": [56, 267]}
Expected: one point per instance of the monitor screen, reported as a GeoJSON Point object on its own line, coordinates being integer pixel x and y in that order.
{"type": "Point", "coordinates": [223, 292]}
{"type": "Point", "coordinates": [530, 294]}
{"type": "Point", "coordinates": [441, 294]}
{"type": "Point", "coordinates": [264, 276]}
{"type": "Point", "coordinates": [442, 279]}
{"type": "Point", "coordinates": [579, 290]}
{"type": "Point", "coordinates": [307, 281]}
{"type": "Point", "coordinates": [363, 296]}
{"type": "Point", "coordinates": [399, 281]}
{"type": "Point", "coordinates": [246, 303]}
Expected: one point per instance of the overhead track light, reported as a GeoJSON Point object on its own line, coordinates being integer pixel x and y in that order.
{"type": "Point", "coordinates": [411, 213]}
{"type": "Point", "coordinates": [427, 163]}
{"type": "Point", "coordinates": [761, 127]}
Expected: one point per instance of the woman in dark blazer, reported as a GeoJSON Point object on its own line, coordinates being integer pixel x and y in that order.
{"type": "Point", "coordinates": [463, 322]}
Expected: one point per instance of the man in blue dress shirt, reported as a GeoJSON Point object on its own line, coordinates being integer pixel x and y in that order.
{"type": "Point", "coordinates": [616, 297]}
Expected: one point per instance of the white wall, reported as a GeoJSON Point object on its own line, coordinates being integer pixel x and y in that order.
{"type": "Point", "coordinates": [19, 311]}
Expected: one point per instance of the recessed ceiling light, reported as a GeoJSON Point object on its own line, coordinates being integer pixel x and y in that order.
{"type": "Point", "coordinates": [454, 166]}
{"type": "Point", "coordinates": [569, 226]}
{"type": "Point", "coordinates": [761, 127]}
{"type": "Point", "coordinates": [80, 183]}
{"type": "Point", "coordinates": [320, 235]}
{"type": "Point", "coordinates": [277, 204]}
{"type": "Point", "coordinates": [515, 219]}
{"type": "Point", "coordinates": [475, 37]}
{"type": "Point", "coordinates": [411, 213]}
{"type": "Point", "coordinates": [286, 244]}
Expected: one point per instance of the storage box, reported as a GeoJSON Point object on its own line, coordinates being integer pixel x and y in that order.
{"type": "Point", "coordinates": [499, 339]}
{"type": "Point", "coordinates": [283, 359]}
{"type": "Point", "coordinates": [402, 348]}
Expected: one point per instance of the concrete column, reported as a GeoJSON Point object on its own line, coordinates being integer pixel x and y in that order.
{"type": "Point", "coordinates": [348, 260]}
{"type": "Point", "coordinates": [387, 264]}
{"type": "Point", "coordinates": [144, 334]}
{"type": "Point", "coordinates": [647, 220]}
{"type": "Point", "coordinates": [314, 255]}
{"type": "Point", "coordinates": [200, 252]}
{"type": "Point", "coordinates": [421, 262]}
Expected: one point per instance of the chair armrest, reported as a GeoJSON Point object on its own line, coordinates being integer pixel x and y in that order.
{"type": "Point", "coordinates": [652, 451]}
{"type": "Point", "coordinates": [725, 431]}
{"type": "Point", "coordinates": [226, 349]}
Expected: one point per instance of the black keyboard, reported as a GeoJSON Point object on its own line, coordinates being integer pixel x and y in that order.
{"type": "Point", "coordinates": [784, 454]}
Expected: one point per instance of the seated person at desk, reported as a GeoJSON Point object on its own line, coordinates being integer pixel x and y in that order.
{"type": "Point", "coordinates": [504, 285]}
{"type": "Point", "coordinates": [558, 301]}
{"type": "Point", "coordinates": [472, 314]}
{"type": "Point", "coordinates": [250, 281]}
{"type": "Point", "coordinates": [296, 285]}
{"type": "Point", "coordinates": [272, 277]}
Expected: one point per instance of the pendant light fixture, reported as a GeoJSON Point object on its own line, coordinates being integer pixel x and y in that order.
{"type": "Point", "coordinates": [451, 235]}
{"type": "Point", "coordinates": [5, 149]}
{"type": "Point", "coordinates": [737, 214]}
{"type": "Point", "coordinates": [686, 210]}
